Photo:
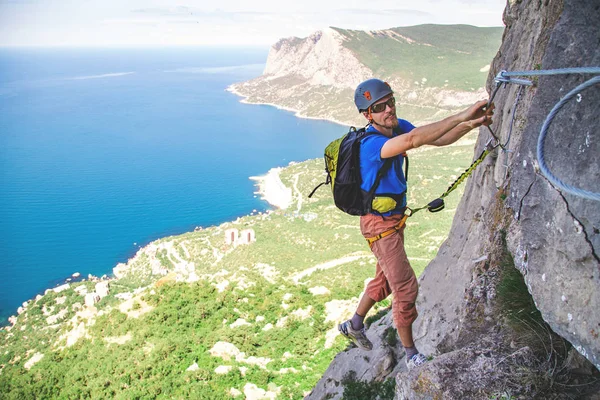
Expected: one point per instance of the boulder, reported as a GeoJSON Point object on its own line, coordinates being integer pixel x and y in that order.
{"type": "Point", "coordinates": [468, 373]}
{"type": "Point", "coordinates": [379, 364]}
{"type": "Point", "coordinates": [193, 367]}
{"type": "Point", "coordinates": [61, 288]}
{"type": "Point", "coordinates": [53, 319]}
{"type": "Point", "coordinates": [554, 236]}
{"type": "Point", "coordinates": [81, 290]}
{"type": "Point", "coordinates": [225, 350]}
{"type": "Point", "coordinates": [33, 360]}
{"type": "Point", "coordinates": [223, 369]}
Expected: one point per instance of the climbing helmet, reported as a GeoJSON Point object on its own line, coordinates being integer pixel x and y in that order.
{"type": "Point", "coordinates": [369, 92]}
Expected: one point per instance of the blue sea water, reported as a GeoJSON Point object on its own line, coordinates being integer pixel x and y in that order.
{"type": "Point", "coordinates": [104, 150]}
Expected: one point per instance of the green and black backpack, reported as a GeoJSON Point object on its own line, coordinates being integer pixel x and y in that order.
{"type": "Point", "coordinates": [342, 164]}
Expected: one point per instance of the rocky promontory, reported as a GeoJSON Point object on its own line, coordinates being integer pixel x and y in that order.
{"type": "Point", "coordinates": [316, 76]}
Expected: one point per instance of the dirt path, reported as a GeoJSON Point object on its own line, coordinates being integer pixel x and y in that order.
{"type": "Point", "coordinates": [298, 194]}
{"type": "Point", "coordinates": [329, 264]}
{"type": "Point", "coordinates": [185, 250]}
{"type": "Point", "coordinates": [216, 253]}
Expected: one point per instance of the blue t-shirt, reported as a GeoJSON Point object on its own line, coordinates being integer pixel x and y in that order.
{"type": "Point", "coordinates": [393, 181]}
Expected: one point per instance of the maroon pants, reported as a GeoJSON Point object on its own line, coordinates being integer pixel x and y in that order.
{"type": "Point", "coordinates": [393, 273]}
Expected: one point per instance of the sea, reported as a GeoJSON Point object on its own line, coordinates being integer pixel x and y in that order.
{"type": "Point", "coordinates": [105, 150]}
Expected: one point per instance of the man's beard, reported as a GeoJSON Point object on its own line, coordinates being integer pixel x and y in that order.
{"type": "Point", "coordinates": [390, 121]}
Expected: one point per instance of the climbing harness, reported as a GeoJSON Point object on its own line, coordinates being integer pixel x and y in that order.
{"type": "Point", "coordinates": [504, 78]}
{"type": "Point", "coordinates": [395, 229]}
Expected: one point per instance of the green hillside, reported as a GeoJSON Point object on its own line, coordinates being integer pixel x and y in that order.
{"type": "Point", "coordinates": [272, 303]}
{"type": "Point", "coordinates": [435, 71]}
{"type": "Point", "coordinates": [446, 55]}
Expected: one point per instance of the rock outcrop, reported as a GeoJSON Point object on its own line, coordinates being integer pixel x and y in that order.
{"type": "Point", "coordinates": [511, 218]}
{"type": "Point", "coordinates": [320, 59]}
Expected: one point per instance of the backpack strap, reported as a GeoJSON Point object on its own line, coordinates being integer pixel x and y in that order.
{"type": "Point", "coordinates": [327, 181]}
{"type": "Point", "coordinates": [387, 164]}
{"type": "Point", "coordinates": [384, 168]}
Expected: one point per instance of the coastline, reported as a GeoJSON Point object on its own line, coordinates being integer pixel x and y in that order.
{"type": "Point", "coordinates": [272, 190]}
{"type": "Point", "coordinates": [268, 186]}
{"type": "Point", "coordinates": [470, 138]}
{"type": "Point", "coordinates": [244, 100]}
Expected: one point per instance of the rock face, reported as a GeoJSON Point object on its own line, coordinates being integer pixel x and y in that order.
{"type": "Point", "coordinates": [553, 236]}
{"type": "Point", "coordinates": [320, 59]}
{"type": "Point", "coordinates": [377, 365]}
{"type": "Point", "coordinates": [510, 211]}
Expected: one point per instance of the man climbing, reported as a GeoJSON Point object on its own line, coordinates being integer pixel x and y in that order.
{"type": "Point", "coordinates": [375, 100]}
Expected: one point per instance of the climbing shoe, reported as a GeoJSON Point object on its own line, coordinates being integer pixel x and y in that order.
{"type": "Point", "coordinates": [357, 336]}
{"type": "Point", "coordinates": [415, 361]}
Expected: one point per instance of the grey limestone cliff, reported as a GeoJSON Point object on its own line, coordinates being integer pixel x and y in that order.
{"type": "Point", "coordinates": [511, 218]}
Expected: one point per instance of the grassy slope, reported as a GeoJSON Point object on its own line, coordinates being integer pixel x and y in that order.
{"type": "Point", "coordinates": [188, 319]}
{"type": "Point", "coordinates": [452, 54]}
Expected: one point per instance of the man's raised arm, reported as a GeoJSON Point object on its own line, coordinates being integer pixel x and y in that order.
{"type": "Point", "coordinates": [440, 133]}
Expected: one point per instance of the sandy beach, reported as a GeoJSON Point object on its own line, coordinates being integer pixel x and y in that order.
{"type": "Point", "coordinates": [272, 189]}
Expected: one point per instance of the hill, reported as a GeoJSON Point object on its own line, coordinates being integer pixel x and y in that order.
{"type": "Point", "coordinates": [195, 317]}
{"type": "Point", "coordinates": [433, 69]}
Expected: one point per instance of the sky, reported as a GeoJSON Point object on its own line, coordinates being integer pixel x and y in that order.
{"type": "Point", "coordinates": [126, 23]}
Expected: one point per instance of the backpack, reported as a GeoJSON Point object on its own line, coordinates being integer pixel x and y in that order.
{"type": "Point", "coordinates": [342, 164]}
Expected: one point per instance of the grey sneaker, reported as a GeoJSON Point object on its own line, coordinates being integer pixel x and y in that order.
{"type": "Point", "coordinates": [358, 337]}
{"type": "Point", "coordinates": [416, 361]}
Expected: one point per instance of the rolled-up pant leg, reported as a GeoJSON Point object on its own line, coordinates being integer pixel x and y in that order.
{"type": "Point", "coordinates": [393, 273]}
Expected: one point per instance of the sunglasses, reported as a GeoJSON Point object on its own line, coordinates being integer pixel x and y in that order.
{"type": "Point", "coordinates": [377, 108]}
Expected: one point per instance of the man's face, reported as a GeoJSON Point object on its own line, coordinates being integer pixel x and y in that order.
{"type": "Point", "coordinates": [387, 116]}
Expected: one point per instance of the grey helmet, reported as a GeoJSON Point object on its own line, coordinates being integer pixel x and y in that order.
{"type": "Point", "coordinates": [369, 92]}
